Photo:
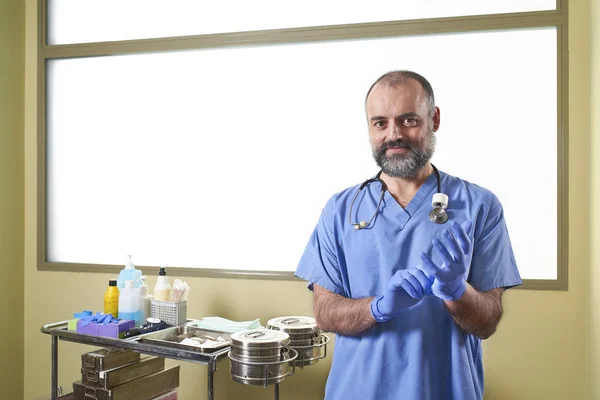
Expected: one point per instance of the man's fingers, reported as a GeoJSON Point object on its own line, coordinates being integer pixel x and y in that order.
{"type": "Point", "coordinates": [467, 225]}
{"type": "Point", "coordinates": [428, 265]}
{"type": "Point", "coordinates": [395, 280]}
{"type": "Point", "coordinates": [402, 279]}
{"type": "Point", "coordinates": [409, 288]}
{"type": "Point", "coordinates": [447, 258]}
{"type": "Point", "coordinates": [462, 236]}
{"type": "Point", "coordinates": [424, 281]}
{"type": "Point", "coordinates": [415, 283]}
{"type": "Point", "coordinates": [451, 245]}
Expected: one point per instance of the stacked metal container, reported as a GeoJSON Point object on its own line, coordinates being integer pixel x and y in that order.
{"type": "Point", "coordinates": [305, 337]}
{"type": "Point", "coordinates": [260, 357]}
{"type": "Point", "coordinates": [120, 374]}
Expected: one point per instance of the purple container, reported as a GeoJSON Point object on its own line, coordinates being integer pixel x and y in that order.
{"type": "Point", "coordinates": [112, 329]}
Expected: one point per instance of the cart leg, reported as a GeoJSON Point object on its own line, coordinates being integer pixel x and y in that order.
{"type": "Point", "coordinates": [277, 391]}
{"type": "Point", "coordinates": [211, 371]}
{"type": "Point", "coordinates": [54, 367]}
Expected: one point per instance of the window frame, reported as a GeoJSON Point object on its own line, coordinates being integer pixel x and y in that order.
{"type": "Point", "coordinates": [478, 23]}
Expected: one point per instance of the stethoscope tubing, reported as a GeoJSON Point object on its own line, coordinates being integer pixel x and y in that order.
{"type": "Point", "coordinates": [437, 215]}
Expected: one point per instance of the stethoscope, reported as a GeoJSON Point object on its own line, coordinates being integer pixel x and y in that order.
{"type": "Point", "coordinates": [439, 202]}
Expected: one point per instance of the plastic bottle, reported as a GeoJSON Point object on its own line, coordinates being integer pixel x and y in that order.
{"type": "Point", "coordinates": [145, 301]}
{"type": "Point", "coordinates": [129, 273]}
{"type": "Point", "coordinates": [136, 302]}
{"type": "Point", "coordinates": [129, 303]}
{"type": "Point", "coordinates": [162, 289]}
{"type": "Point", "coordinates": [111, 299]}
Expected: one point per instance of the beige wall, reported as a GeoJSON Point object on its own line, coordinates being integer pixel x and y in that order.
{"type": "Point", "coordinates": [593, 339]}
{"type": "Point", "coordinates": [12, 60]}
{"type": "Point", "coordinates": [539, 351]}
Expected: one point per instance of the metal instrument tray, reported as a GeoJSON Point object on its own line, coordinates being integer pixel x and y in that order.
{"type": "Point", "coordinates": [146, 387]}
{"type": "Point", "coordinates": [104, 359]}
{"type": "Point", "coordinates": [172, 337]}
{"type": "Point", "coordinates": [122, 374]}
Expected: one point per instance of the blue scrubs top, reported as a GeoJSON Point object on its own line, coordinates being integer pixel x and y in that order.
{"type": "Point", "coordinates": [421, 354]}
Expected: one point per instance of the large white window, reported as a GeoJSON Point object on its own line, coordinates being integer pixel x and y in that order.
{"type": "Point", "coordinates": [220, 155]}
{"type": "Point", "coordinates": [225, 158]}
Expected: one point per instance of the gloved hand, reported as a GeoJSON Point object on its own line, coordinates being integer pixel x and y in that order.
{"type": "Point", "coordinates": [405, 289]}
{"type": "Point", "coordinates": [455, 251]}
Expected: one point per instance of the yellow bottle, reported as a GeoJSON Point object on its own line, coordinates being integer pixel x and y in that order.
{"type": "Point", "coordinates": [111, 299]}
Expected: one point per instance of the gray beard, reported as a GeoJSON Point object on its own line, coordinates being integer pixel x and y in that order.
{"type": "Point", "coordinates": [406, 166]}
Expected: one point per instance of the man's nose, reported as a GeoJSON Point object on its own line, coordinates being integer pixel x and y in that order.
{"type": "Point", "coordinates": [395, 131]}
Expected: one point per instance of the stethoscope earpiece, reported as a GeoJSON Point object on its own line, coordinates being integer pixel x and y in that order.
{"type": "Point", "coordinates": [439, 202]}
{"type": "Point", "coordinates": [360, 225]}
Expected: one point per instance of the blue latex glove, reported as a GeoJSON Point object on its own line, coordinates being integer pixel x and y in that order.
{"type": "Point", "coordinates": [455, 252]}
{"type": "Point", "coordinates": [405, 289]}
{"type": "Point", "coordinates": [83, 314]}
{"type": "Point", "coordinates": [99, 318]}
{"type": "Point", "coordinates": [86, 320]}
{"type": "Point", "coordinates": [105, 319]}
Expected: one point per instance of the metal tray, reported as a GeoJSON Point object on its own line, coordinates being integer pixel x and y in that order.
{"type": "Point", "coordinates": [172, 337]}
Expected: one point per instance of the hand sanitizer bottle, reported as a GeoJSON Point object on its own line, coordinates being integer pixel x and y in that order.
{"type": "Point", "coordinates": [129, 273]}
{"type": "Point", "coordinates": [162, 289]}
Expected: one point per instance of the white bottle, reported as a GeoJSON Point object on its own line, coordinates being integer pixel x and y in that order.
{"type": "Point", "coordinates": [145, 301]}
{"type": "Point", "coordinates": [129, 303]}
{"type": "Point", "coordinates": [162, 289]}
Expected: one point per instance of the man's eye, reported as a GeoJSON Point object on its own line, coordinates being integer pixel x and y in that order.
{"type": "Point", "coordinates": [410, 122]}
{"type": "Point", "coordinates": [379, 124]}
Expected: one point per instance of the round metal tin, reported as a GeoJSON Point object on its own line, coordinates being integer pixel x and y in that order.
{"type": "Point", "coordinates": [294, 324]}
{"type": "Point", "coordinates": [259, 338]}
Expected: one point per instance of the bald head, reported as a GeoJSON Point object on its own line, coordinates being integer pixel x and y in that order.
{"type": "Point", "coordinates": [401, 77]}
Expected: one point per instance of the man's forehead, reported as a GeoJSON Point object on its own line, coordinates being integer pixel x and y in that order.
{"type": "Point", "coordinates": [410, 87]}
{"type": "Point", "coordinates": [409, 93]}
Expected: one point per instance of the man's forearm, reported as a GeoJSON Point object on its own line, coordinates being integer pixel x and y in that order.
{"type": "Point", "coordinates": [477, 313]}
{"type": "Point", "coordinates": [339, 314]}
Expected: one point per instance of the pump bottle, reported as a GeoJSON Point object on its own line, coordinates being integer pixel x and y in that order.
{"type": "Point", "coordinates": [162, 289]}
{"type": "Point", "coordinates": [129, 273]}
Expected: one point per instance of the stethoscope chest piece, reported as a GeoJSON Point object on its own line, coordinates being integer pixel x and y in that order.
{"type": "Point", "coordinates": [438, 214]}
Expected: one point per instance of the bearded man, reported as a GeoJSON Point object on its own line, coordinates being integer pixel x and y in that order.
{"type": "Point", "coordinates": [409, 294]}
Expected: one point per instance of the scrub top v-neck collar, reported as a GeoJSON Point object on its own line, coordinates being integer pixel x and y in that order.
{"type": "Point", "coordinates": [404, 214]}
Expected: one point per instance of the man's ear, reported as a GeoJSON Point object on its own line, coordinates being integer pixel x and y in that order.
{"type": "Point", "coordinates": [436, 119]}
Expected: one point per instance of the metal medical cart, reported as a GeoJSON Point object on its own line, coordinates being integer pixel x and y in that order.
{"type": "Point", "coordinates": [59, 330]}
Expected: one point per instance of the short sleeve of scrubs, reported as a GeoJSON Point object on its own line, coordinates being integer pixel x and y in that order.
{"type": "Point", "coordinates": [493, 264]}
{"type": "Point", "coordinates": [319, 262]}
